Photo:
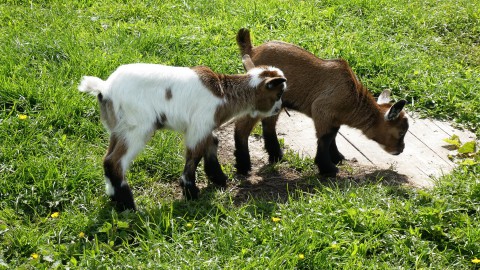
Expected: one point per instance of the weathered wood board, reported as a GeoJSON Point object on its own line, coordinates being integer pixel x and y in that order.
{"type": "Point", "coordinates": [424, 159]}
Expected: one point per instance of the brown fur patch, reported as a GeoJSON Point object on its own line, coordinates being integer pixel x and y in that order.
{"type": "Point", "coordinates": [210, 79]}
{"type": "Point", "coordinates": [107, 113]}
{"type": "Point", "coordinates": [168, 94]}
{"type": "Point", "coordinates": [111, 162]}
{"type": "Point", "coordinates": [160, 123]}
{"type": "Point", "coordinates": [268, 73]}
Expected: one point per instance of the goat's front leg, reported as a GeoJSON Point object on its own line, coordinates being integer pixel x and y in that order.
{"type": "Point", "coordinates": [212, 167]}
{"type": "Point", "coordinates": [187, 181]}
{"type": "Point", "coordinates": [243, 127]}
{"type": "Point", "coordinates": [275, 153]}
{"type": "Point", "coordinates": [323, 158]}
{"type": "Point", "coordinates": [335, 154]}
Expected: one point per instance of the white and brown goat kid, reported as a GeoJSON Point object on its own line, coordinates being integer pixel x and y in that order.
{"type": "Point", "coordinates": [138, 99]}
{"type": "Point", "coordinates": [327, 91]}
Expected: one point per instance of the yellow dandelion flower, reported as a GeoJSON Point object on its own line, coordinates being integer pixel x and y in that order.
{"type": "Point", "coordinates": [301, 256]}
{"type": "Point", "coordinates": [81, 235]}
{"type": "Point", "coordinates": [275, 219]}
{"type": "Point", "coordinates": [55, 215]}
{"type": "Point", "coordinates": [22, 116]}
{"type": "Point", "coordinates": [476, 260]}
{"type": "Point", "coordinates": [34, 256]}
{"type": "Point", "coordinates": [189, 225]}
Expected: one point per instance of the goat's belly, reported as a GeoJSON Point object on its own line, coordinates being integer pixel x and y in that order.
{"type": "Point", "coordinates": [176, 126]}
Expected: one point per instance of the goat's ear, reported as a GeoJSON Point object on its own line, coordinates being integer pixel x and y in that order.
{"type": "Point", "coordinates": [247, 62]}
{"type": "Point", "coordinates": [395, 110]}
{"type": "Point", "coordinates": [272, 83]}
{"type": "Point", "coordinates": [384, 97]}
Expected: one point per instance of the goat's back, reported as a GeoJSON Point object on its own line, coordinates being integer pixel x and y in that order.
{"type": "Point", "coordinates": [145, 93]}
{"type": "Point", "coordinates": [309, 77]}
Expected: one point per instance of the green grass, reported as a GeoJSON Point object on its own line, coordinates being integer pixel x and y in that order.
{"type": "Point", "coordinates": [425, 51]}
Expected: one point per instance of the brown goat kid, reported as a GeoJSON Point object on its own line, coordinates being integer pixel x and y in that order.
{"type": "Point", "coordinates": [327, 91]}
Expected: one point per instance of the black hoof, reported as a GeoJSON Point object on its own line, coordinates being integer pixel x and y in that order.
{"type": "Point", "coordinates": [329, 172]}
{"type": "Point", "coordinates": [220, 180]}
{"type": "Point", "coordinates": [243, 167]}
{"type": "Point", "coordinates": [275, 158]}
{"type": "Point", "coordinates": [190, 192]}
{"type": "Point", "coordinates": [338, 159]}
{"type": "Point", "coordinates": [123, 199]}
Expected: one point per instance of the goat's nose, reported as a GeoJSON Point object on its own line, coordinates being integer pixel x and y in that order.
{"type": "Point", "coordinates": [398, 152]}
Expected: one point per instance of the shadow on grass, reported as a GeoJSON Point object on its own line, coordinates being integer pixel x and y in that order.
{"type": "Point", "coordinates": [281, 185]}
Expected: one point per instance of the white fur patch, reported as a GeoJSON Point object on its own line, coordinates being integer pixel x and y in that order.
{"type": "Point", "coordinates": [109, 187]}
{"type": "Point", "coordinates": [255, 79]}
{"type": "Point", "coordinates": [92, 85]}
{"type": "Point", "coordinates": [183, 180]}
{"type": "Point", "coordinates": [277, 107]}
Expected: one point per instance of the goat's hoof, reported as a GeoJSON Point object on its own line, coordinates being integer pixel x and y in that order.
{"type": "Point", "coordinates": [243, 169]}
{"type": "Point", "coordinates": [220, 181]}
{"type": "Point", "coordinates": [122, 205]}
{"type": "Point", "coordinates": [275, 158]}
{"type": "Point", "coordinates": [191, 192]}
{"type": "Point", "coordinates": [329, 172]}
{"type": "Point", "coordinates": [329, 175]}
{"type": "Point", "coordinates": [338, 159]}
{"type": "Point", "coordinates": [123, 199]}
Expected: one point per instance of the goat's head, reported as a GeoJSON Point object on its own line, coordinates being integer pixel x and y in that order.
{"type": "Point", "coordinates": [270, 83]}
{"type": "Point", "coordinates": [391, 129]}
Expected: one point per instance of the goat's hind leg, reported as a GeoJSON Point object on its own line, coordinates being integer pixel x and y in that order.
{"type": "Point", "coordinates": [121, 151]}
{"type": "Point", "coordinates": [212, 167]}
{"type": "Point", "coordinates": [116, 185]}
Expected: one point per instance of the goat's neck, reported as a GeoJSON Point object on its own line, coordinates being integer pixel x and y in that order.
{"type": "Point", "coordinates": [238, 97]}
{"type": "Point", "coordinates": [365, 114]}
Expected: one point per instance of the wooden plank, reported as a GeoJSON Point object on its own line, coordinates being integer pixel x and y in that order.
{"type": "Point", "coordinates": [432, 137]}
{"type": "Point", "coordinates": [446, 128]}
{"type": "Point", "coordinates": [425, 156]}
{"type": "Point", "coordinates": [349, 150]}
{"type": "Point", "coordinates": [298, 132]}
{"type": "Point", "coordinates": [464, 135]}
{"type": "Point", "coordinates": [412, 162]}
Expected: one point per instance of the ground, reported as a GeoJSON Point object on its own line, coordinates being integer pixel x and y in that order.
{"type": "Point", "coordinates": [278, 182]}
{"type": "Point", "coordinates": [425, 159]}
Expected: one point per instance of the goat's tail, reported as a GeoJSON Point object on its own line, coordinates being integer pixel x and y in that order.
{"type": "Point", "coordinates": [92, 85]}
{"type": "Point", "coordinates": [244, 42]}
